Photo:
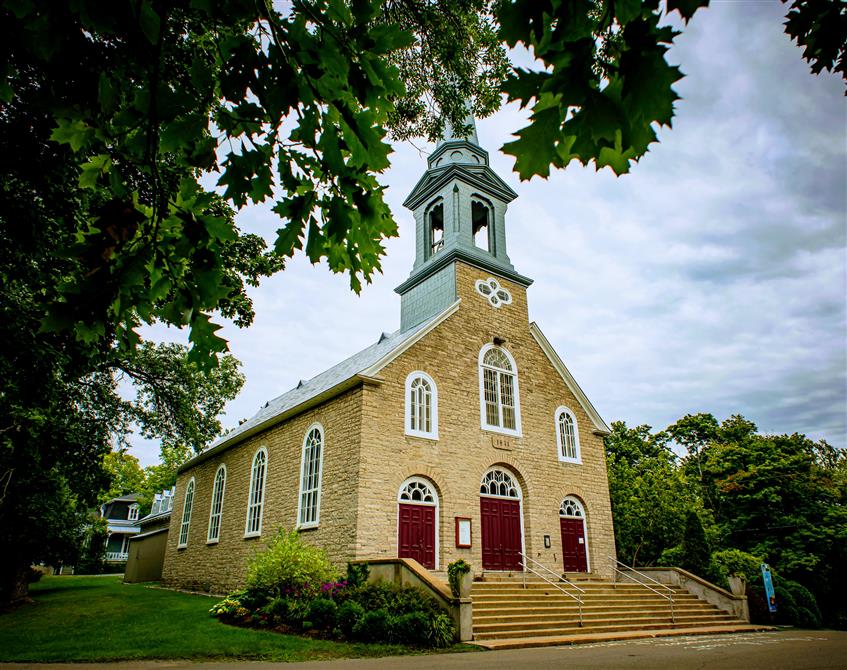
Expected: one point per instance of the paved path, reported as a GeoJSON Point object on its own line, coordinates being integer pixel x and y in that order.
{"type": "Point", "coordinates": [780, 650]}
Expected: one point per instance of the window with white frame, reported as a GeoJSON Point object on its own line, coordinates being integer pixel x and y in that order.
{"type": "Point", "coordinates": [498, 385]}
{"type": "Point", "coordinates": [571, 508]}
{"type": "Point", "coordinates": [133, 512]}
{"type": "Point", "coordinates": [567, 436]}
{"type": "Point", "coordinates": [217, 509]}
{"type": "Point", "coordinates": [186, 514]}
{"type": "Point", "coordinates": [309, 508]}
{"type": "Point", "coordinates": [421, 406]}
{"type": "Point", "coordinates": [256, 499]}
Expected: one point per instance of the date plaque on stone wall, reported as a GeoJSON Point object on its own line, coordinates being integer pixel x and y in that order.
{"type": "Point", "coordinates": [501, 442]}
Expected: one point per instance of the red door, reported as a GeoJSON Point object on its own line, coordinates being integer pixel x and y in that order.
{"type": "Point", "coordinates": [573, 545]}
{"type": "Point", "coordinates": [416, 537]}
{"type": "Point", "coordinates": [501, 533]}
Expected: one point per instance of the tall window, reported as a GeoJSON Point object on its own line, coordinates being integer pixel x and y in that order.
{"type": "Point", "coordinates": [435, 229]}
{"type": "Point", "coordinates": [421, 406]}
{"type": "Point", "coordinates": [186, 514]}
{"type": "Point", "coordinates": [217, 509]}
{"type": "Point", "coordinates": [309, 510]}
{"type": "Point", "coordinates": [499, 407]}
{"type": "Point", "coordinates": [481, 228]}
{"type": "Point", "coordinates": [567, 435]}
{"type": "Point", "coordinates": [133, 512]}
{"type": "Point", "coordinates": [256, 500]}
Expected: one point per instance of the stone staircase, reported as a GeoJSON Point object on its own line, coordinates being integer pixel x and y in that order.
{"type": "Point", "coordinates": [507, 614]}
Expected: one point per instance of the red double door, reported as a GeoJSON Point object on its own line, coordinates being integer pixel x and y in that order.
{"type": "Point", "coordinates": [416, 537]}
{"type": "Point", "coordinates": [501, 533]}
{"type": "Point", "coordinates": [573, 545]}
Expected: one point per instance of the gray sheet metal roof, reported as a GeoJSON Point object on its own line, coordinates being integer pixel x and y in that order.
{"type": "Point", "coordinates": [308, 389]}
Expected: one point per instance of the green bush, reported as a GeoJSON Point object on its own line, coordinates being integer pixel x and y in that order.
{"type": "Point", "coordinates": [795, 604]}
{"type": "Point", "coordinates": [289, 567]}
{"type": "Point", "coordinates": [442, 630]}
{"type": "Point", "coordinates": [696, 554]}
{"type": "Point", "coordinates": [374, 626]}
{"type": "Point", "coordinates": [357, 574]}
{"type": "Point", "coordinates": [349, 614]}
{"type": "Point", "coordinates": [455, 571]}
{"type": "Point", "coordinates": [737, 562]}
{"type": "Point", "coordinates": [322, 612]}
{"type": "Point", "coordinates": [278, 610]}
{"type": "Point", "coordinates": [411, 628]}
{"type": "Point", "coordinates": [671, 557]}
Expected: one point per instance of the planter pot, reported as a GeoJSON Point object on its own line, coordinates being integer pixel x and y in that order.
{"type": "Point", "coordinates": [465, 584]}
{"type": "Point", "coordinates": [737, 585]}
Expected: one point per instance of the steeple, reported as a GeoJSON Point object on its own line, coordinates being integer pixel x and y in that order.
{"type": "Point", "coordinates": [460, 215]}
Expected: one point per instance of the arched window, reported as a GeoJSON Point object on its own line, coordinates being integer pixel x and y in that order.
{"type": "Point", "coordinates": [482, 230]}
{"type": "Point", "coordinates": [256, 498]}
{"type": "Point", "coordinates": [499, 484]}
{"type": "Point", "coordinates": [309, 511]}
{"type": "Point", "coordinates": [498, 388]}
{"type": "Point", "coordinates": [217, 510]}
{"type": "Point", "coordinates": [186, 514]}
{"type": "Point", "coordinates": [418, 491]}
{"type": "Point", "coordinates": [567, 436]}
{"type": "Point", "coordinates": [571, 508]}
{"type": "Point", "coordinates": [133, 512]}
{"type": "Point", "coordinates": [421, 406]}
{"type": "Point", "coordinates": [434, 229]}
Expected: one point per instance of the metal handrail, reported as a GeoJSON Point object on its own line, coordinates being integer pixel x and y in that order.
{"type": "Point", "coordinates": [630, 569]}
{"type": "Point", "coordinates": [527, 568]}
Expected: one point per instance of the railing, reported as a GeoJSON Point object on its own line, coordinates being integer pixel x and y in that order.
{"type": "Point", "coordinates": [628, 573]}
{"type": "Point", "coordinates": [116, 556]}
{"type": "Point", "coordinates": [559, 578]}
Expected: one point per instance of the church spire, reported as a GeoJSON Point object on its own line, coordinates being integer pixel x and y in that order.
{"type": "Point", "coordinates": [451, 135]}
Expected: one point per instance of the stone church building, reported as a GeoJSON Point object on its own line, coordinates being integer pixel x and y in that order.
{"type": "Point", "coordinates": [461, 435]}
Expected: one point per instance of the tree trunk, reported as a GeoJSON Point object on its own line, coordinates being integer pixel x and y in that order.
{"type": "Point", "coordinates": [14, 585]}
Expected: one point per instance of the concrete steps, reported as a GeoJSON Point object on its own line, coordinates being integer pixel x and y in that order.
{"type": "Point", "coordinates": [507, 611]}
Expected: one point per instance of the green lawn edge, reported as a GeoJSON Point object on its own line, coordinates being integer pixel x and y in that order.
{"type": "Point", "coordinates": [76, 618]}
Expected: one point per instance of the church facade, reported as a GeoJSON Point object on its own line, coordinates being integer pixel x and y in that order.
{"type": "Point", "coordinates": [461, 435]}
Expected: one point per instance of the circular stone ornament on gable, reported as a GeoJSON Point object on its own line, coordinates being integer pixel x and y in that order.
{"type": "Point", "coordinates": [491, 290]}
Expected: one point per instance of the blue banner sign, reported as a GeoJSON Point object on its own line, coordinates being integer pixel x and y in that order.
{"type": "Point", "coordinates": [769, 593]}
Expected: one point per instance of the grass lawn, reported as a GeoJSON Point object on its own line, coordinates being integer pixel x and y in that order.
{"type": "Point", "coordinates": [76, 618]}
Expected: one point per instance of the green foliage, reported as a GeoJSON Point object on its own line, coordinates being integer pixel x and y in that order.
{"type": "Point", "coordinates": [374, 626]}
{"type": "Point", "coordinates": [738, 563]}
{"type": "Point", "coordinates": [125, 474]}
{"type": "Point", "coordinates": [323, 613]}
{"type": "Point", "coordinates": [695, 552]}
{"type": "Point", "coordinates": [289, 566]}
{"type": "Point", "coordinates": [92, 560]}
{"type": "Point", "coordinates": [455, 571]}
{"type": "Point", "coordinates": [779, 497]}
{"type": "Point", "coordinates": [820, 27]}
{"type": "Point", "coordinates": [349, 614]}
{"type": "Point", "coordinates": [357, 574]}
{"type": "Point", "coordinates": [796, 605]}
{"type": "Point", "coordinates": [412, 628]}
{"type": "Point", "coordinates": [442, 630]}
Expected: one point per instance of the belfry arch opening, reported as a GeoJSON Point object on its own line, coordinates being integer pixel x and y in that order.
{"type": "Point", "coordinates": [482, 225]}
{"type": "Point", "coordinates": [435, 229]}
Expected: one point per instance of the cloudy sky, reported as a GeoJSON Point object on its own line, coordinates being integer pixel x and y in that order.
{"type": "Point", "coordinates": [711, 279]}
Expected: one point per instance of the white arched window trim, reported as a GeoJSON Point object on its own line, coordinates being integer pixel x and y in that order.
{"type": "Point", "coordinates": [432, 434]}
{"type": "Point", "coordinates": [132, 514]}
{"type": "Point", "coordinates": [563, 514]}
{"type": "Point", "coordinates": [516, 432]}
{"type": "Point", "coordinates": [561, 439]}
{"type": "Point", "coordinates": [307, 478]}
{"type": "Point", "coordinates": [187, 504]}
{"type": "Point", "coordinates": [216, 509]}
{"type": "Point", "coordinates": [436, 504]}
{"type": "Point", "coordinates": [256, 495]}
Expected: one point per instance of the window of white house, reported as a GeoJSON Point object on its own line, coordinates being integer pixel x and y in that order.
{"type": "Point", "coordinates": [217, 510]}
{"type": "Point", "coordinates": [421, 406]}
{"type": "Point", "coordinates": [498, 386]}
{"type": "Point", "coordinates": [186, 514]}
{"type": "Point", "coordinates": [309, 509]}
{"type": "Point", "coordinates": [567, 436]}
{"type": "Point", "coordinates": [133, 512]}
{"type": "Point", "coordinates": [256, 499]}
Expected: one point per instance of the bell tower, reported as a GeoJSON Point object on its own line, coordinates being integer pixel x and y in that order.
{"type": "Point", "coordinates": [460, 215]}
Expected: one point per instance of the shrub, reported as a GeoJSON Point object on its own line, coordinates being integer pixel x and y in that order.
{"type": "Point", "coordinates": [289, 567]}
{"type": "Point", "coordinates": [374, 626]}
{"type": "Point", "coordinates": [696, 554]}
{"type": "Point", "coordinates": [229, 609]}
{"type": "Point", "coordinates": [278, 610]}
{"type": "Point", "coordinates": [737, 562]}
{"type": "Point", "coordinates": [349, 614]}
{"type": "Point", "coordinates": [442, 631]}
{"type": "Point", "coordinates": [795, 604]}
{"type": "Point", "coordinates": [412, 628]}
{"type": "Point", "coordinates": [455, 571]}
{"type": "Point", "coordinates": [357, 574]}
{"type": "Point", "coordinates": [322, 612]}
